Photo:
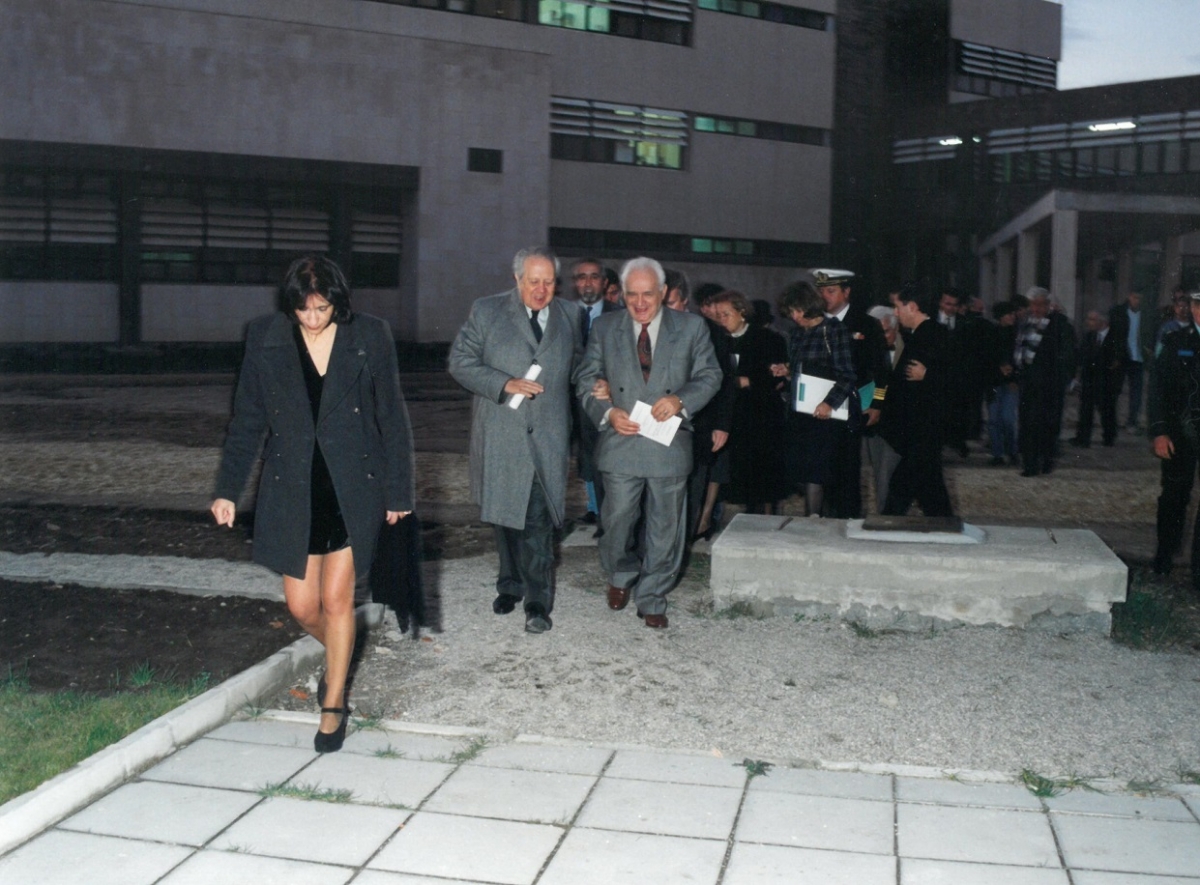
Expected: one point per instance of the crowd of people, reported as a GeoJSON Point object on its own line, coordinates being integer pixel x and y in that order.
{"type": "Point", "coordinates": [673, 401]}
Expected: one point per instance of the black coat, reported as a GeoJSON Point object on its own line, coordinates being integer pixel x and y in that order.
{"type": "Point", "coordinates": [911, 414]}
{"type": "Point", "coordinates": [363, 431]}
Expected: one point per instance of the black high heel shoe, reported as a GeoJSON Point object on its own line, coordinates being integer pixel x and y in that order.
{"type": "Point", "coordinates": [331, 742]}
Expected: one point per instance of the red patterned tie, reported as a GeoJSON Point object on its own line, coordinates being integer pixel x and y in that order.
{"type": "Point", "coordinates": [643, 351]}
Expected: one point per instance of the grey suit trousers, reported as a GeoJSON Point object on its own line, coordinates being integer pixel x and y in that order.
{"type": "Point", "coordinates": [527, 555]}
{"type": "Point", "coordinates": [662, 502]}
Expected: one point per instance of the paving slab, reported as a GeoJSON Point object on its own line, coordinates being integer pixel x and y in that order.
{"type": "Point", "coordinates": [373, 780]}
{"type": "Point", "coordinates": [813, 782]}
{"type": "Point", "coordinates": [539, 757]}
{"type": "Point", "coordinates": [184, 815]}
{"type": "Point", "coordinates": [457, 847]}
{"type": "Point", "coordinates": [667, 809]}
{"type": "Point", "coordinates": [677, 767]}
{"type": "Point", "coordinates": [1109, 805]}
{"type": "Point", "coordinates": [59, 857]}
{"type": "Point", "coordinates": [234, 766]}
{"type": "Point", "coordinates": [918, 871]}
{"type": "Point", "coordinates": [235, 868]}
{"type": "Point", "coordinates": [855, 825]}
{"type": "Point", "coordinates": [948, 792]}
{"type": "Point", "coordinates": [1166, 848]}
{"type": "Point", "coordinates": [778, 865]}
{"type": "Point", "coordinates": [512, 794]}
{"type": "Point", "coordinates": [322, 832]}
{"type": "Point", "coordinates": [975, 835]}
{"type": "Point", "coordinates": [606, 857]}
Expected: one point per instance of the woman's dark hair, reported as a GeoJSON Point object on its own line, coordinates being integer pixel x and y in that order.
{"type": "Point", "coordinates": [734, 299]}
{"type": "Point", "coordinates": [315, 275]}
{"type": "Point", "coordinates": [802, 296]}
{"type": "Point", "coordinates": [611, 278]}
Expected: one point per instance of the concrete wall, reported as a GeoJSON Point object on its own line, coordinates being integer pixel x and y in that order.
{"type": "Point", "coordinates": [37, 312]}
{"type": "Point", "coordinates": [1030, 26]}
{"type": "Point", "coordinates": [173, 312]}
{"type": "Point", "coordinates": [318, 80]}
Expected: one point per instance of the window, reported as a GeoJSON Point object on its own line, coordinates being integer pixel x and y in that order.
{"type": "Point", "coordinates": [686, 247]}
{"type": "Point", "coordinates": [1001, 73]}
{"type": "Point", "coordinates": [57, 225]}
{"type": "Point", "coordinates": [772, 12]}
{"type": "Point", "coordinates": [485, 160]}
{"type": "Point", "coordinates": [661, 21]}
{"type": "Point", "coordinates": [601, 132]}
{"type": "Point", "coordinates": [762, 129]}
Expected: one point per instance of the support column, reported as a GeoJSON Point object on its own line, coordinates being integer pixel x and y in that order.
{"type": "Point", "coordinates": [1089, 297]}
{"type": "Point", "coordinates": [1064, 249]}
{"type": "Point", "coordinates": [987, 279]}
{"type": "Point", "coordinates": [1124, 281]}
{"type": "Point", "coordinates": [1172, 269]}
{"type": "Point", "coordinates": [1004, 286]}
{"type": "Point", "coordinates": [1027, 260]}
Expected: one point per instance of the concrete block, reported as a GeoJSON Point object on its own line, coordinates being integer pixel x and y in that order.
{"type": "Point", "coordinates": [1064, 580]}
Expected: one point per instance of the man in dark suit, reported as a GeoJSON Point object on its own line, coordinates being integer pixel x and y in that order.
{"type": "Point", "coordinates": [1100, 373]}
{"type": "Point", "coordinates": [912, 412]}
{"type": "Point", "coordinates": [519, 455]}
{"type": "Point", "coordinates": [664, 360]}
{"type": "Point", "coordinates": [868, 350]}
{"type": "Point", "coordinates": [589, 281]}
{"type": "Point", "coordinates": [1134, 329]}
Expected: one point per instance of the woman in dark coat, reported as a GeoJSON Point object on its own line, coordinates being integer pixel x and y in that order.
{"type": "Point", "coordinates": [819, 346]}
{"type": "Point", "coordinates": [755, 452]}
{"type": "Point", "coordinates": [321, 386]}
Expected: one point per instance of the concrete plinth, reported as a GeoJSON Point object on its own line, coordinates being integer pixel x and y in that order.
{"type": "Point", "coordinates": [1056, 579]}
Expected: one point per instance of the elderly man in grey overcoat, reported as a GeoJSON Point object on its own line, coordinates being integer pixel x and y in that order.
{"type": "Point", "coordinates": [521, 425]}
{"type": "Point", "coordinates": [664, 359]}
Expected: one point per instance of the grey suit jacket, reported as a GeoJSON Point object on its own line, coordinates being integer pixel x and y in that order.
{"type": "Point", "coordinates": [510, 446]}
{"type": "Point", "coordinates": [683, 364]}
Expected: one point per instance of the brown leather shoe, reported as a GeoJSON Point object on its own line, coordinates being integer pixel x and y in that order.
{"type": "Point", "coordinates": [618, 597]}
{"type": "Point", "coordinates": [658, 622]}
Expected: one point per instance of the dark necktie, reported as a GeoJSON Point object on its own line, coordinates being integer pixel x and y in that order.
{"type": "Point", "coordinates": [643, 351]}
{"type": "Point", "coordinates": [587, 323]}
{"type": "Point", "coordinates": [535, 325]}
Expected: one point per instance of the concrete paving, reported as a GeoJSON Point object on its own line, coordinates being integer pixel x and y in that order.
{"type": "Point", "coordinates": [408, 805]}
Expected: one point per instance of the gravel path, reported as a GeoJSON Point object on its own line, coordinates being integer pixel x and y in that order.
{"type": "Point", "coordinates": [973, 698]}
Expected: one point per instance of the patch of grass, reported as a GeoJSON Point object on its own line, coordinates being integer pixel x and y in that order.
{"type": "Point", "coordinates": [44, 734]}
{"type": "Point", "coordinates": [1145, 620]}
{"type": "Point", "coordinates": [1048, 787]}
{"type": "Point", "coordinates": [307, 792]}
{"type": "Point", "coordinates": [755, 767]}
{"type": "Point", "coordinates": [469, 751]}
{"type": "Point", "coordinates": [862, 631]}
{"type": "Point", "coordinates": [141, 675]}
{"type": "Point", "coordinates": [367, 720]}
{"type": "Point", "coordinates": [388, 752]}
{"type": "Point", "coordinates": [740, 609]}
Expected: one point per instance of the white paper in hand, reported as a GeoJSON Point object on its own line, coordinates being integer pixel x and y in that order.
{"type": "Point", "coordinates": [516, 399]}
{"type": "Point", "coordinates": [661, 432]}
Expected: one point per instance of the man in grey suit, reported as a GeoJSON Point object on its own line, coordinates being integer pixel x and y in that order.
{"type": "Point", "coordinates": [519, 455]}
{"type": "Point", "coordinates": [663, 358]}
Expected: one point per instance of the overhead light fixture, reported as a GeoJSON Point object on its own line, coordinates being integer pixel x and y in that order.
{"type": "Point", "coordinates": [950, 142]}
{"type": "Point", "coordinates": [1112, 127]}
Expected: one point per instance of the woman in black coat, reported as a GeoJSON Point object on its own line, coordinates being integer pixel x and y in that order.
{"type": "Point", "coordinates": [321, 386]}
{"type": "Point", "coordinates": [756, 463]}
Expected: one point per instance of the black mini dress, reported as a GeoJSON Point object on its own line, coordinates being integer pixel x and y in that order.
{"type": "Point", "coordinates": [327, 530]}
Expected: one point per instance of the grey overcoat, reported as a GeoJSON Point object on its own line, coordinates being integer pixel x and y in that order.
{"type": "Point", "coordinates": [363, 430]}
{"type": "Point", "coordinates": [510, 446]}
{"type": "Point", "coordinates": [683, 364]}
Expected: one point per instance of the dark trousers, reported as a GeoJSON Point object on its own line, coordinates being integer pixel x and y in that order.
{"type": "Point", "coordinates": [919, 477]}
{"type": "Point", "coordinates": [843, 492]}
{"type": "Point", "coordinates": [1041, 407]}
{"type": "Point", "coordinates": [1092, 398]}
{"type": "Point", "coordinates": [1178, 476]}
{"type": "Point", "coordinates": [527, 555]}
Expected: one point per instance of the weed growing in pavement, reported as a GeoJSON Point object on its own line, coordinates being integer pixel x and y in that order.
{"type": "Point", "coordinates": [253, 711]}
{"type": "Point", "coordinates": [740, 609]}
{"type": "Point", "coordinates": [469, 751]}
{"type": "Point", "coordinates": [308, 792]}
{"type": "Point", "coordinates": [388, 752]}
{"type": "Point", "coordinates": [367, 721]}
{"type": "Point", "coordinates": [862, 631]}
{"type": "Point", "coordinates": [1048, 787]}
{"type": "Point", "coordinates": [755, 767]}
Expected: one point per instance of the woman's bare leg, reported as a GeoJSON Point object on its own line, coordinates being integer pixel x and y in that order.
{"type": "Point", "coordinates": [323, 604]}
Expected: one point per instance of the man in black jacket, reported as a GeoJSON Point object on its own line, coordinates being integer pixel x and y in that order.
{"type": "Point", "coordinates": [868, 350]}
{"type": "Point", "coordinates": [912, 411]}
{"type": "Point", "coordinates": [1044, 359]}
{"type": "Point", "coordinates": [1174, 425]}
{"type": "Point", "coordinates": [1100, 373]}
